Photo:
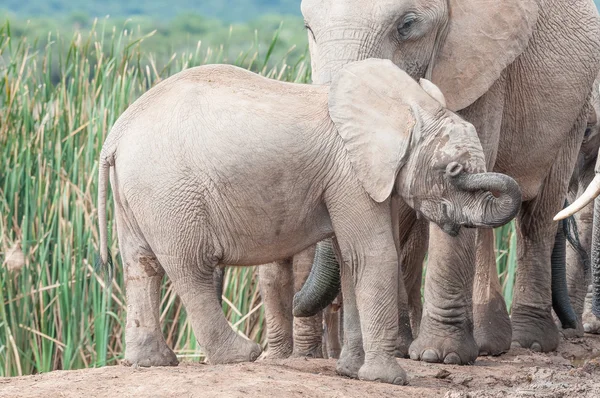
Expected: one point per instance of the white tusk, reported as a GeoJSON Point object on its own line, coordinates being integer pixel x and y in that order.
{"type": "Point", "coordinates": [590, 194]}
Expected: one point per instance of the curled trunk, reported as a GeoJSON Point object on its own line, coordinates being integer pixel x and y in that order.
{"type": "Point", "coordinates": [322, 285]}
{"type": "Point", "coordinates": [561, 302]}
{"type": "Point", "coordinates": [500, 202]}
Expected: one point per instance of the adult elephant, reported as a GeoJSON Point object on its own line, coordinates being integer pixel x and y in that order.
{"type": "Point", "coordinates": [578, 260]}
{"type": "Point", "coordinates": [519, 70]}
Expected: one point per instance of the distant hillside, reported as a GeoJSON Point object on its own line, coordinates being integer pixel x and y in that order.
{"type": "Point", "coordinates": [227, 10]}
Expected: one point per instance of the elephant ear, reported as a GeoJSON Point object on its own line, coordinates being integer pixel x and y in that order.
{"type": "Point", "coordinates": [483, 38]}
{"type": "Point", "coordinates": [367, 103]}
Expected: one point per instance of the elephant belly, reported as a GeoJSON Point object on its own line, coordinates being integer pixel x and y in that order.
{"type": "Point", "coordinates": [261, 237]}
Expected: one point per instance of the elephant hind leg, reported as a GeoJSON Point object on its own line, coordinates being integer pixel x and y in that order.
{"type": "Point", "coordinates": [145, 344]}
{"type": "Point", "coordinates": [492, 327]}
{"type": "Point", "coordinates": [192, 278]}
{"type": "Point", "coordinates": [277, 290]}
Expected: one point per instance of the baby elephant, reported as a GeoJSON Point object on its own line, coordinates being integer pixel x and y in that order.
{"type": "Point", "coordinates": [217, 165]}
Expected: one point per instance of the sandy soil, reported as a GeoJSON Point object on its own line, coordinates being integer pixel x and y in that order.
{"type": "Point", "coordinates": [573, 371]}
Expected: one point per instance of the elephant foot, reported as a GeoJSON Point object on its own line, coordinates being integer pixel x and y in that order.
{"type": "Point", "coordinates": [276, 353]}
{"type": "Point", "coordinates": [534, 328]}
{"type": "Point", "coordinates": [315, 351]}
{"type": "Point", "coordinates": [591, 323]}
{"type": "Point", "coordinates": [234, 350]}
{"type": "Point", "coordinates": [350, 362]}
{"type": "Point", "coordinates": [147, 348]}
{"type": "Point", "coordinates": [492, 327]}
{"type": "Point", "coordinates": [442, 343]}
{"type": "Point", "coordinates": [382, 369]}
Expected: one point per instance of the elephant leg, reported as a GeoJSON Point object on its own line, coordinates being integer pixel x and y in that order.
{"type": "Point", "coordinates": [352, 355]}
{"type": "Point", "coordinates": [332, 317]}
{"type": "Point", "coordinates": [192, 278]}
{"type": "Point", "coordinates": [410, 235]}
{"type": "Point", "coordinates": [276, 289]}
{"type": "Point", "coordinates": [145, 344]}
{"type": "Point", "coordinates": [578, 273]}
{"type": "Point", "coordinates": [446, 333]}
{"type": "Point", "coordinates": [492, 327]}
{"type": "Point", "coordinates": [308, 332]}
{"type": "Point", "coordinates": [531, 314]}
{"type": "Point", "coordinates": [412, 256]}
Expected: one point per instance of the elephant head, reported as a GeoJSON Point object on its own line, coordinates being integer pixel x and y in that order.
{"type": "Point", "coordinates": [399, 136]}
{"type": "Point", "coordinates": [460, 45]}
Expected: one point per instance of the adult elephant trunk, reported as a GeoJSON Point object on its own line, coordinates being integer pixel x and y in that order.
{"type": "Point", "coordinates": [596, 259]}
{"type": "Point", "coordinates": [322, 285]}
{"type": "Point", "coordinates": [342, 46]}
{"type": "Point", "coordinates": [498, 203]}
{"type": "Point", "coordinates": [561, 303]}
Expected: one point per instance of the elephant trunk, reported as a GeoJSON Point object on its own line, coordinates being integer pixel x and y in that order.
{"type": "Point", "coordinates": [342, 47]}
{"type": "Point", "coordinates": [501, 201]}
{"type": "Point", "coordinates": [596, 259]}
{"type": "Point", "coordinates": [322, 285]}
{"type": "Point", "coordinates": [561, 302]}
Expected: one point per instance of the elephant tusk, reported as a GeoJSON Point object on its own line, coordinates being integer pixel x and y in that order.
{"type": "Point", "coordinates": [591, 192]}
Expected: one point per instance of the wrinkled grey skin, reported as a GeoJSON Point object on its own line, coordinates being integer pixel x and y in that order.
{"type": "Point", "coordinates": [521, 72]}
{"type": "Point", "coordinates": [578, 274]}
{"type": "Point", "coordinates": [217, 165]}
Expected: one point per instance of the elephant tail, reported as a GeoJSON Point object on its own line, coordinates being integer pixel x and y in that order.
{"type": "Point", "coordinates": [106, 161]}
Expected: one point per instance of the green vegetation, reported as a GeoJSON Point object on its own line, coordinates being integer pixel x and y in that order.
{"type": "Point", "coordinates": [56, 108]}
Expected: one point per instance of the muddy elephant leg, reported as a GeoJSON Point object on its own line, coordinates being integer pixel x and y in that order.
{"type": "Point", "coordinates": [145, 344]}
{"type": "Point", "coordinates": [277, 291]}
{"type": "Point", "coordinates": [446, 333]}
{"type": "Point", "coordinates": [492, 327]}
{"type": "Point", "coordinates": [308, 332]}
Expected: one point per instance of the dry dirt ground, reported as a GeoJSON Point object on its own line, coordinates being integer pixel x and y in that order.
{"type": "Point", "coordinates": [573, 371]}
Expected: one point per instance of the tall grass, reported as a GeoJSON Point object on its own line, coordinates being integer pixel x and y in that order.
{"type": "Point", "coordinates": [56, 109]}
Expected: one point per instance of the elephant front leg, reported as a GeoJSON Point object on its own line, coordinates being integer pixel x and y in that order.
{"type": "Point", "coordinates": [369, 268]}
{"type": "Point", "coordinates": [446, 333]}
{"type": "Point", "coordinates": [308, 332]}
{"type": "Point", "coordinates": [492, 327]}
{"type": "Point", "coordinates": [277, 289]}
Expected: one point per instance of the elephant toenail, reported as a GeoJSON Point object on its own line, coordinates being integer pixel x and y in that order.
{"type": "Point", "coordinates": [536, 347]}
{"type": "Point", "coordinates": [414, 356]}
{"type": "Point", "coordinates": [452, 359]}
{"type": "Point", "coordinates": [587, 327]}
{"type": "Point", "coordinates": [483, 353]}
{"type": "Point", "coordinates": [515, 344]}
{"type": "Point", "coordinates": [430, 356]}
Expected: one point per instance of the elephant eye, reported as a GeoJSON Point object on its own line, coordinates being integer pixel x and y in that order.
{"type": "Point", "coordinates": [588, 131]}
{"type": "Point", "coordinates": [406, 24]}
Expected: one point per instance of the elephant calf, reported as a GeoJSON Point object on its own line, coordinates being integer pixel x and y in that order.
{"type": "Point", "coordinates": [217, 165]}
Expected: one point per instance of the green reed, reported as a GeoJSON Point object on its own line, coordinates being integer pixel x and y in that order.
{"type": "Point", "coordinates": [56, 106]}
